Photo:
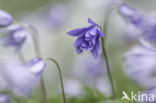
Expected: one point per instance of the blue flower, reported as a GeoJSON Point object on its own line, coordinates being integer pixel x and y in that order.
{"type": "Point", "coordinates": [88, 39]}
{"type": "Point", "coordinates": [140, 65]}
{"type": "Point", "coordinates": [5, 19]}
{"type": "Point", "coordinates": [150, 30]}
{"type": "Point", "coordinates": [14, 36]}
{"type": "Point", "coordinates": [131, 15]}
{"type": "Point", "coordinates": [22, 78]}
{"type": "Point", "coordinates": [4, 98]}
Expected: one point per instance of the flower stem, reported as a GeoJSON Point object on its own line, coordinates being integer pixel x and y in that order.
{"type": "Point", "coordinates": [108, 68]}
{"type": "Point", "coordinates": [103, 43]}
{"type": "Point", "coordinates": [61, 80]}
{"type": "Point", "coordinates": [35, 38]}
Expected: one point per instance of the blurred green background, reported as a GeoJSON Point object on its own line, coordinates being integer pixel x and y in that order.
{"type": "Point", "coordinates": [115, 48]}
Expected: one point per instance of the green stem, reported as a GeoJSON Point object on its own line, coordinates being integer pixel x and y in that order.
{"type": "Point", "coordinates": [108, 67]}
{"type": "Point", "coordinates": [60, 75]}
{"type": "Point", "coordinates": [103, 42]}
{"type": "Point", "coordinates": [35, 38]}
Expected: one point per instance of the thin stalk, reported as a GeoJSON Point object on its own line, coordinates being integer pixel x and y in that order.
{"type": "Point", "coordinates": [103, 43]}
{"type": "Point", "coordinates": [35, 38]}
{"type": "Point", "coordinates": [108, 68]}
{"type": "Point", "coordinates": [61, 79]}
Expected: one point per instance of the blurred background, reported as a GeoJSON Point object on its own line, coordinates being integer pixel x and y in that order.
{"type": "Point", "coordinates": [54, 18]}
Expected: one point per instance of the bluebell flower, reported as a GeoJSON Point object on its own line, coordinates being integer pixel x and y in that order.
{"type": "Point", "coordinates": [14, 36]}
{"type": "Point", "coordinates": [88, 39]}
{"type": "Point", "coordinates": [5, 19]}
{"type": "Point", "coordinates": [140, 66]}
{"type": "Point", "coordinates": [131, 15]}
{"type": "Point", "coordinates": [22, 78]}
{"type": "Point", "coordinates": [4, 98]}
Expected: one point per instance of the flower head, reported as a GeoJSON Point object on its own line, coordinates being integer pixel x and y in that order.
{"type": "Point", "coordinates": [140, 63]}
{"type": "Point", "coordinates": [88, 39]}
{"type": "Point", "coordinates": [21, 78]}
{"type": "Point", "coordinates": [14, 36]}
{"type": "Point", "coordinates": [5, 19]}
{"type": "Point", "coordinates": [4, 98]}
{"type": "Point", "coordinates": [131, 15]}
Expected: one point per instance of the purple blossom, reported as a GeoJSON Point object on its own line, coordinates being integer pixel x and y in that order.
{"type": "Point", "coordinates": [88, 39]}
{"type": "Point", "coordinates": [4, 98]}
{"type": "Point", "coordinates": [149, 92]}
{"type": "Point", "coordinates": [14, 36]}
{"type": "Point", "coordinates": [150, 30]}
{"type": "Point", "coordinates": [141, 66]}
{"type": "Point", "coordinates": [95, 69]}
{"type": "Point", "coordinates": [22, 78]}
{"type": "Point", "coordinates": [5, 19]}
{"type": "Point", "coordinates": [131, 15]}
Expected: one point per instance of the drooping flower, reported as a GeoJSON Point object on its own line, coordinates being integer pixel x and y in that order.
{"type": "Point", "coordinates": [131, 15]}
{"type": "Point", "coordinates": [5, 19]}
{"type": "Point", "coordinates": [141, 66]}
{"type": "Point", "coordinates": [4, 98]}
{"type": "Point", "coordinates": [22, 78]}
{"type": "Point", "coordinates": [14, 36]}
{"type": "Point", "coordinates": [88, 39]}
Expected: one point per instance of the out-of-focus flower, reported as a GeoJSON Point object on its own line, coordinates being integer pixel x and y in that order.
{"type": "Point", "coordinates": [94, 69]}
{"type": "Point", "coordinates": [89, 70]}
{"type": "Point", "coordinates": [141, 66]}
{"type": "Point", "coordinates": [4, 98]}
{"type": "Point", "coordinates": [150, 30]}
{"type": "Point", "coordinates": [14, 36]}
{"type": "Point", "coordinates": [57, 16]}
{"type": "Point", "coordinates": [88, 39]}
{"type": "Point", "coordinates": [5, 19]}
{"type": "Point", "coordinates": [131, 15]}
{"type": "Point", "coordinates": [21, 78]}
{"type": "Point", "coordinates": [73, 88]}
{"type": "Point", "coordinates": [131, 34]}
{"type": "Point", "coordinates": [149, 92]}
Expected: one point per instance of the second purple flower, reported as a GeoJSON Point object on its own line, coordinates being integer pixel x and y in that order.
{"type": "Point", "coordinates": [88, 39]}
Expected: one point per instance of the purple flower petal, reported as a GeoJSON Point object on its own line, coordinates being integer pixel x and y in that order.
{"type": "Point", "coordinates": [91, 21]}
{"type": "Point", "coordinates": [22, 78]}
{"type": "Point", "coordinates": [4, 98]}
{"type": "Point", "coordinates": [5, 19]}
{"type": "Point", "coordinates": [78, 50]}
{"type": "Point", "coordinates": [96, 51]}
{"type": "Point", "coordinates": [78, 41]}
{"type": "Point", "coordinates": [77, 32]}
